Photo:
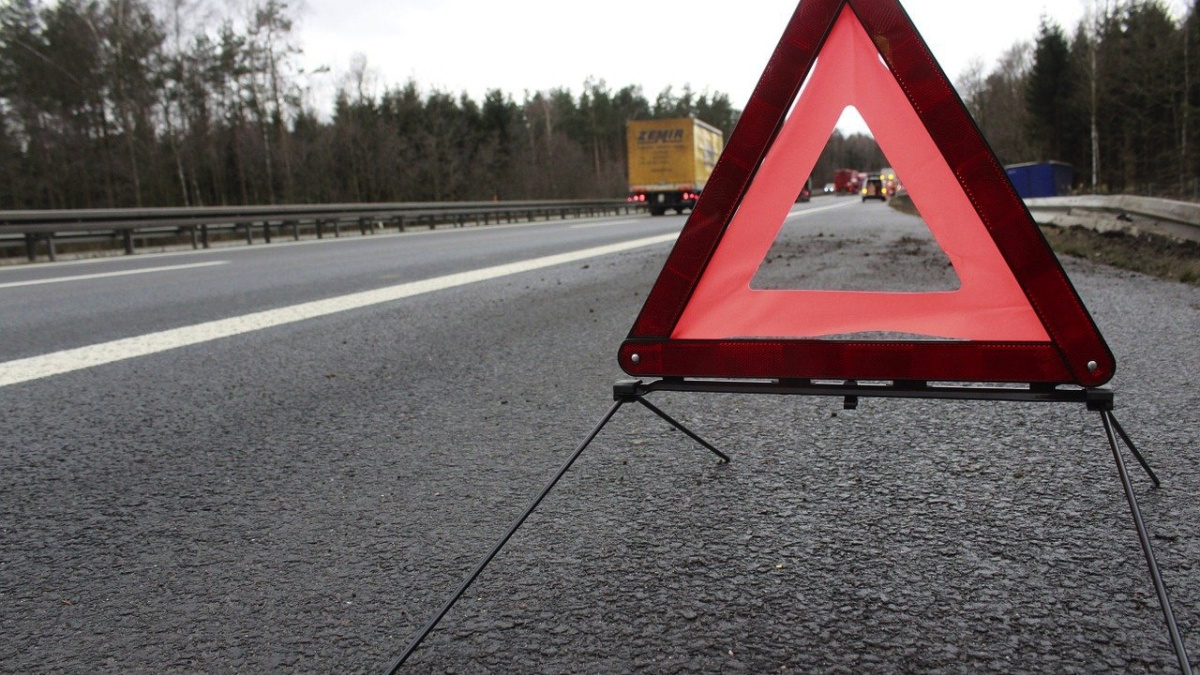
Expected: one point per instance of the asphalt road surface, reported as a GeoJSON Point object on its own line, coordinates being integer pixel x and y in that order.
{"type": "Point", "coordinates": [283, 458]}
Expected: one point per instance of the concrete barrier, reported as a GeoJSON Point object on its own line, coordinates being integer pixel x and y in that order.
{"type": "Point", "coordinates": [1120, 213]}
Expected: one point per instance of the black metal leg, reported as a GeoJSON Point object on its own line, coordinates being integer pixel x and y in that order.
{"type": "Point", "coordinates": [416, 642]}
{"type": "Point", "coordinates": [1144, 537]}
{"type": "Point", "coordinates": [677, 425]}
{"type": "Point", "coordinates": [1132, 448]}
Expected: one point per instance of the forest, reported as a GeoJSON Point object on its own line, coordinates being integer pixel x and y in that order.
{"type": "Point", "coordinates": [125, 103]}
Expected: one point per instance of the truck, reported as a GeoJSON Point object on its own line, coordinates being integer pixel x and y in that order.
{"type": "Point", "coordinates": [846, 181]}
{"type": "Point", "coordinates": [1041, 179]}
{"type": "Point", "coordinates": [670, 161]}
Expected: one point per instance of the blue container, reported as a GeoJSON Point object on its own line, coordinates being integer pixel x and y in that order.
{"type": "Point", "coordinates": [1041, 179]}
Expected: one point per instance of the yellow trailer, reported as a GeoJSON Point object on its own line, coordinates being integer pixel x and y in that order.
{"type": "Point", "coordinates": [670, 160]}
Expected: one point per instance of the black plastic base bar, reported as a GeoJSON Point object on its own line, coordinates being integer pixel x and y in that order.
{"type": "Point", "coordinates": [1095, 397]}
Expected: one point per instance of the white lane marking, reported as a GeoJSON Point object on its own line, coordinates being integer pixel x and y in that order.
{"type": "Point", "coordinates": [808, 212]}
{"type": "Point", "coordinates": [101, 275]}
{"type": "Point", "coordinates": [584, 226]}
{"type": "Point", "coordinates": [47, 365]}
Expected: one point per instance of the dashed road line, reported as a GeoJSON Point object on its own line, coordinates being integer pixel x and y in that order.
{"type": "Point", "coordinates": [102, 275]}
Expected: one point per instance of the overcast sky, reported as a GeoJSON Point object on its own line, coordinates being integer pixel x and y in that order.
{"type": "Point", "coordinates": [473, 46]}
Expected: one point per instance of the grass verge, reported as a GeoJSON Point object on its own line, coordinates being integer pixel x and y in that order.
{"type": "Point", "coordinates": [1146, 253]}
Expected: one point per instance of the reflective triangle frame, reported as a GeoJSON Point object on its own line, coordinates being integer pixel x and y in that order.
{"type": "Point", "coordinates": [1074, 353]}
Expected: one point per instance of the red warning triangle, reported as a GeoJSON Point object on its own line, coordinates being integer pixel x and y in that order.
{"type": "Point", "coordinates": [1015, 316]}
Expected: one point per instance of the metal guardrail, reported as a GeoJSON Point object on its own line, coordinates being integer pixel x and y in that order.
{"type": "Point", "coordinates": [1121, 213]}
{"type": "Point", "coordinates": [44, 230]}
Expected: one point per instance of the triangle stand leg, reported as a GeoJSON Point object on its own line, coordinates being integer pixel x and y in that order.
{"type": "Point", "coordinates": [635, 390]}
{"type": "Point", "coordinates": [690, 434]}
{"type": "Point", "coordinates": [623, 392]}
{"type": "Point", "coordinates": [1160, 588]}
{"type": "Point", "coordinates": [1132, 448]}
{"type": "Point", "coordinates": [462, 588]}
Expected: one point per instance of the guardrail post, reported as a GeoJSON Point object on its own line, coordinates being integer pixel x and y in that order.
{"type": "Point", "coordinates": [129, 224]}
{"type": "Point", "coordinates": [337, 228]}
{"type": "Point", "coordinates": [50, 247]}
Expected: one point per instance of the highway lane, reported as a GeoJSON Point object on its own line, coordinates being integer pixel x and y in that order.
{"type": "Point", "coordinates": [50, 307]}
{"type": "Point", "coordinates": [303, 497]}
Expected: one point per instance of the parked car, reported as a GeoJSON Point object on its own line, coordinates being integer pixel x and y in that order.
{"type": "Point", "coordinates": [805, 192]}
